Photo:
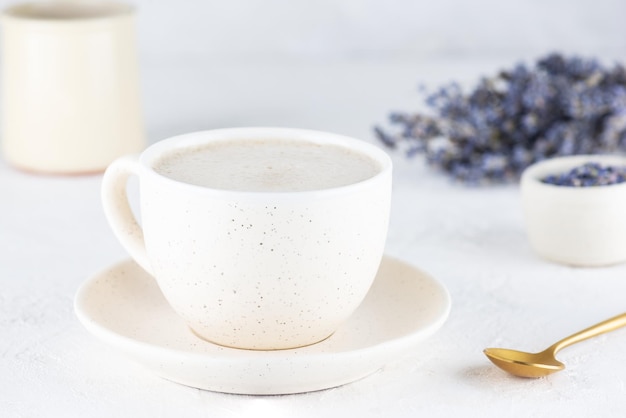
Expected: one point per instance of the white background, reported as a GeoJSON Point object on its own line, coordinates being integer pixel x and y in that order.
{"type": "Point", "coordinates": [381, 29]}
{"type": "Point", "coordinates": [338, 66]}
{"type": "Point", "coordinates": [270, 58]}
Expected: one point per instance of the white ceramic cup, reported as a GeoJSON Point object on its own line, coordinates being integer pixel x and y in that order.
{"type": "Point", "coordinates": [70, 86]}
{"type": "Point", "coordinates": [577, 226]}
{"type": "Point", "coordinates": [254, 270]}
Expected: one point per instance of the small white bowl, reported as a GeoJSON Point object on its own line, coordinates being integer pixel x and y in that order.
{"type": "Point", "coordinates": [578, 226]}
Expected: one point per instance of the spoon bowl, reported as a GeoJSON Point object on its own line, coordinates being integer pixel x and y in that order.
{"type": "Point", "coordinates": [524, 364]}
{"type": "Point", "coordinates": [544, 363]}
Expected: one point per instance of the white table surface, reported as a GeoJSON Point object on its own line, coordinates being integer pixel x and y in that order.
{"type": "Point", "coordinates": [53, 236]}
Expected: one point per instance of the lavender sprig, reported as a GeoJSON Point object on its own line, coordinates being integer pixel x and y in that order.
{"type": "Point", "coordinates": [558, 106]}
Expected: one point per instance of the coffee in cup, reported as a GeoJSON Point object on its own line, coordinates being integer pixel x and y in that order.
{"type": "Point", "coordinates": [271, 165]}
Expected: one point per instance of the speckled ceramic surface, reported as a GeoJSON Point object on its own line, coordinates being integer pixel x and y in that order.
{"type": "Point", "coordinates": [256, 270]}
{"type": "Point", "coordinates": [124, 308]}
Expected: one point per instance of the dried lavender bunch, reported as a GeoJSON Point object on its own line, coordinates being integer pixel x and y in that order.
{"type": "Point", "coordinates": [559, 106]}
{"type": "Point", "coordinates": [587, 175]}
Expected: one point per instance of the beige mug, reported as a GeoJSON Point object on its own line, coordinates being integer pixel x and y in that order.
{"type": "Point", "coordinates": [70, 86]}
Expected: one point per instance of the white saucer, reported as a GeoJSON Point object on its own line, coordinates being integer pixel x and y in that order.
{"type": "Point", "coordinates": [123, 307]}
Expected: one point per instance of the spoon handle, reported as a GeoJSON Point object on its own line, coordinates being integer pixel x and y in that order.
{"type": "Point", "coordinates": [600, 328]}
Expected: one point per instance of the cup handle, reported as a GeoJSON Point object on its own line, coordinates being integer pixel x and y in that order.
{"type": "Point", "coordinates": [117, 208]}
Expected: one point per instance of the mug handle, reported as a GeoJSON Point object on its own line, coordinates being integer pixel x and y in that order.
{"type": "Point", "coordinates": [117, 208]}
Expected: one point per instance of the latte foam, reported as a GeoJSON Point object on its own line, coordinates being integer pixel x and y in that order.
{"type": "Point", "coordinates": [276, 165]}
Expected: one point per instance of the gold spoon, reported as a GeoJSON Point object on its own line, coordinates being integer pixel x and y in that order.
{"type": "Point", "coordinates": [544, 363]}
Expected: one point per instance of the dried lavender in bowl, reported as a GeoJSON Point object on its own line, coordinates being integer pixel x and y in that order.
{"type": "Point", "coordinates": [558, 106]}
{"type": "Point", "coordinates": [588, 175]}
